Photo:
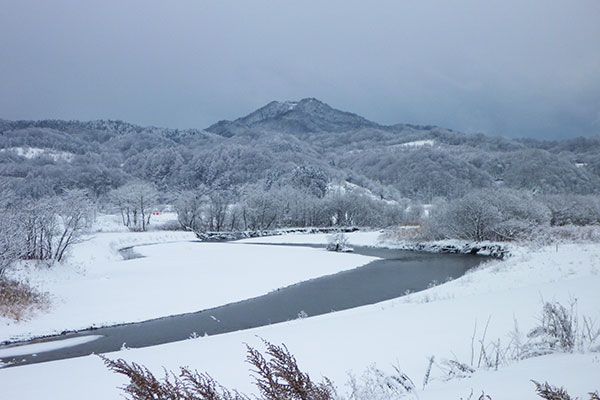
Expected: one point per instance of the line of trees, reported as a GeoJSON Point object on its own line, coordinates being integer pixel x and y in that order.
{"type": "Point", "coordinates": [256, 207]}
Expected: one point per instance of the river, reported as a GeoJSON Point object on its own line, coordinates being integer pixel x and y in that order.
{"type": "Point", "coordinates": [396, 273]}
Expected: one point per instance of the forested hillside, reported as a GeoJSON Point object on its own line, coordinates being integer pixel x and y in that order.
{"type": "Point", "coordinates": [269, 145]}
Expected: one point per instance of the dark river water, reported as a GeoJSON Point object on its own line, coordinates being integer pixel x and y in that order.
{"type": "Point", "coordinates": [396, 273]}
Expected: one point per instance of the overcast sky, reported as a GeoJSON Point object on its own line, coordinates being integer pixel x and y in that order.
{"type": "Point", "coordinates": [512, 68]}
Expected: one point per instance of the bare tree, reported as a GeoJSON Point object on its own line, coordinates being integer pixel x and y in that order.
{"type": "Point", "coordinates": [260, 209]}
{"type": "Point", "coordinates": [217, 210]}
{"type": "Point", "coordinates": [190, 205]}
{"type": "Point", "coordinates": [75, 213]}
{"type": "Point", "coordinates": [39, 223]}
{"type": "Point", "coordinates": [11, 232]}
{"type": "Point", "coordinates": [135, 202]}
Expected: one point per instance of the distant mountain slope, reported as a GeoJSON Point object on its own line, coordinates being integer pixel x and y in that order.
{"type": "Point", "coordinates": [296, 117]}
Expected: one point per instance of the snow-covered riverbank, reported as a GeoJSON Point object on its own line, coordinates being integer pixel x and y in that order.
{"type": "Point", "coordinates": [404, 332]}
{"type": "Point", "coordinates": [386, 238]}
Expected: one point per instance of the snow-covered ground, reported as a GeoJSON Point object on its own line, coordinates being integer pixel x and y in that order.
{"type": "Point", "coordinates": [96, 287]}
{"type": "Point", "coordinates": [32, 152]}
{"type": "Point", "coordinates": [403, 332]}
{"type": "Point", "coordinates": [42, 347]}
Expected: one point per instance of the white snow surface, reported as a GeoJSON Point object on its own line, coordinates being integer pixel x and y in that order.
{"type": "Point", "coordinates": [418, 143]}
{"type": "Point", "coordinates": [403, 332]}
{"type": "Point", "coordinates": [46, 346]}
{"type": "Point", "coordinates": [96, 287]}
{"type": "Point", "coordinates": [32, 152]}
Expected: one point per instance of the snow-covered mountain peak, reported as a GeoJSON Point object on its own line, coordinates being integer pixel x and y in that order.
{"type": "Point", "coordinates": [306, 115]}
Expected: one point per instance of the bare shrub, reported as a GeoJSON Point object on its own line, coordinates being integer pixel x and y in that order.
{"type": "Point", "coordinates": [375, 384]}
{"type": "Point", "coordinates": [280, 378]}
{"type": "Point", "coordinates": [482, 396]}
{"type": "Point", "coordinates": [188, 385]}
{"type": "Point", "coordinates": [338, 242]}
{"type": "Point", "coordinates": [556, 332]}
{"type": "Point", "coordinates": [549, 392]}
{"type": "Point", "coordinates": [277, 377]}
{"type": "Point", "coordinates": [18, 299]}
{"type": "Point", "coordinates": [455, 369]}
{"type": "Point", "coordinates": [488, 214]}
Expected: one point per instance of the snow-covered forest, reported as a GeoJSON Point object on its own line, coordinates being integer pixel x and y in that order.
{"type": "Point", "coordinates": [306, 145]}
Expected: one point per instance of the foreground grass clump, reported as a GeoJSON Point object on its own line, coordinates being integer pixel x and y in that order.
{"type": "Point", "coordinates": [277, 377]}
{"type": "Point", "coordinates": [18, 299]}
{"type": "Point", "coordinates": [549, 392]}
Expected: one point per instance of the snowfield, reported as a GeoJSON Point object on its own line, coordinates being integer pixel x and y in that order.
{"type": "Point", "coordinates": [403, 332]}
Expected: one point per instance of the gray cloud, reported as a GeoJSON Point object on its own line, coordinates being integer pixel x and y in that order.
{"type": "Point", "coordinates": [507, 68]}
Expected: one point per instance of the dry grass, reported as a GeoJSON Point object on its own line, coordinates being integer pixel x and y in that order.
{"type": "Point", "coordinates": [409, 233]}
{"type": "Point", "coordinates": [567, 234]}
{"type": "Point", "coordinates": [549, 392]}
{"type": "Point", "coordinates": [277, 377]}
{"type": "Point", "coordinates": [18, 300]}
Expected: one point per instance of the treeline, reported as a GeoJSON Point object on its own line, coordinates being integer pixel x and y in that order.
{"type": "Point", "coordinates": [43, 228]}
{"type": "Point", "coordinates": [259, 208]}
{"type": "Point", "coordinates": [306, 198]}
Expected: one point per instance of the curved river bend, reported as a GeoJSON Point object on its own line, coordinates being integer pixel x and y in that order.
{"type": "Point", "coordinates": [395, 274]}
